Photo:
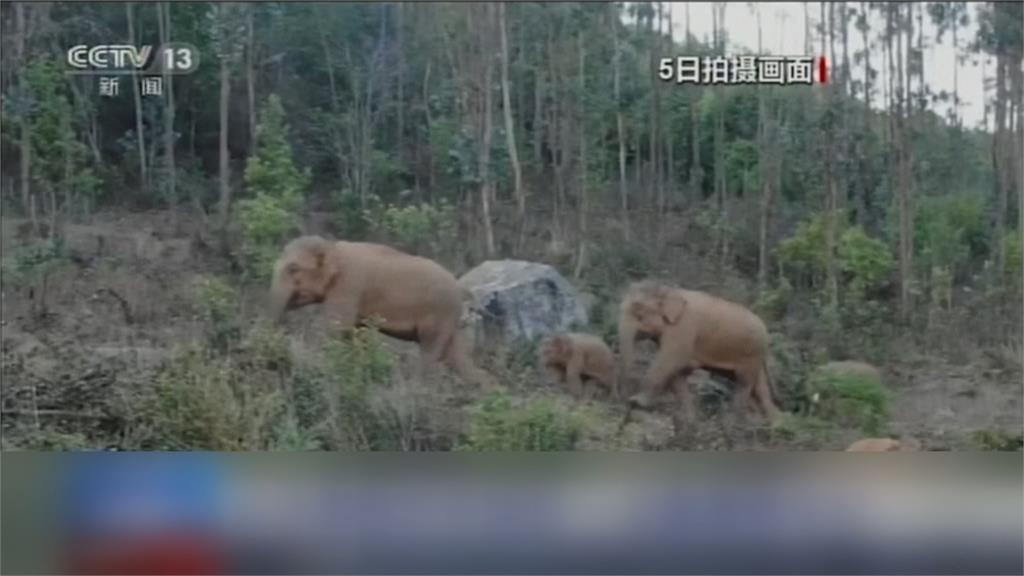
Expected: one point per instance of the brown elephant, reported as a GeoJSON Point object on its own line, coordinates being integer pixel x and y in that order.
{"type": "Point", "coordinates": [695, 330]}
{"type": "Point", "coordinates": [573, 358]}
{"type": "Point", "coordinates": [408, 297]}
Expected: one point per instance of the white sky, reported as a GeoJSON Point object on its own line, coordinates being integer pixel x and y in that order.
{"type": "Point", "coordinates": [783, 33]}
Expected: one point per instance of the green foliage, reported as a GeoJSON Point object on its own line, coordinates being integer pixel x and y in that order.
{"type": "Point", "coordinates": [802, 429]}
{"type": "Point", "coordinates": [204, 402]}
{"type": "Point", "coordinates": [500, 424]}
{"type": "Point", "coordinates": [997, 440]}
{"type": "Point", "coordinates": [867, 261]}
{"type": "Point", "coordinates": [849, 399]}
{"type": "Point", "coordinates": [336, 399]}
{"type": "Point", "coordinates": [31, 266]}
{"type": "Point", "coordinates": [349, 216]}
{"type": "Point", "coordinates": [58, 158]}
{"type": "Point", "coordinates": [1013, 270]}
{"type": "Point", "coordinates": [278, 188]}
{"type": "Point", "coordinates": [218, 304]}
{"type": "Point", "coordinates": [422, 226]}
{"type": "Point", "coordinates": [951, 232]}
{"type": "Point", "coordinates": [803, 253]}
{"type": "Point", "coordinates": [48, 440]}
{"type": "Point", "coordinates": [773, 303]}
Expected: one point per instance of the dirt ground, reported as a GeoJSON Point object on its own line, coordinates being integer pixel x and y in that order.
{"type": "Point", "coordinates": [125, 300]}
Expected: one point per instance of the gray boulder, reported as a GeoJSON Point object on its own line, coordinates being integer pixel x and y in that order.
{"type": "Point", "coordinates": [510, 300]}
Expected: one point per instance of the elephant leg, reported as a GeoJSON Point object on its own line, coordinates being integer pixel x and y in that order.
{"type": "Point", "coordinates": [457, 358]}
{"type": "Point", "coordinates": [684, 414]}
{"type": "Point", "coordinates": [666, 365]}
{"type": "Point", "coordinates": [432, 350]}
{"type": "Point", "coordinates": [746, 380]}
{"type": "Point", "coordinates": [763, 392]}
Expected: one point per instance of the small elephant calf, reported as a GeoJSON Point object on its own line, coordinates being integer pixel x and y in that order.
{"type": "Point", "coordinates": [885, 445]}
{"type": "Point", "coordinates": [572, 358]}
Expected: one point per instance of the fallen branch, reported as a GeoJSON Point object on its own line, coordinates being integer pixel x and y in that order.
{"type": "Point", "coordinates": [125, 308]}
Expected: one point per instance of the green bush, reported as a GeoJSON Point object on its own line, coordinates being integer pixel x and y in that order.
{"type": "Point", "coordinates": [1013, 271]}
{"type": "Point", "coordinates": [204, 402]}
{"type": "Point", "coordinates": [849, 399]}
{"type": "Point", "coordinates": [418, 227]}
{"type": "Point", "coordinates": [499, 424]}
{"type": "Point", "coordinates": [218, 305]}
{"type": "Point", "coordinates": [866, 261]}
{"type": "Point", "coordinates": [773, 303]}
{"type": "Point", "coordinates": [997, 440]}
{"type": "Point", "coordinates": [277, 187]}
{"type": "Point", "coordinates": [803, 254]}
{"type": "Point", "coordinates": [951, 232]}
{"type": "Point", "coordinates": [336, 399]}
{"type": "Point", "coordinates": [803, 430]}
{"type": "Point", "coordinates": [32, 265]}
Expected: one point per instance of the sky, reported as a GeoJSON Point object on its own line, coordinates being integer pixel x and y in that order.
{"type": "Point", "coordinates": [783, 33]}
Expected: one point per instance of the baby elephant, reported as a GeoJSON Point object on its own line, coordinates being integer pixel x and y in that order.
{"type": "Point", "coordinates": [570, 358]}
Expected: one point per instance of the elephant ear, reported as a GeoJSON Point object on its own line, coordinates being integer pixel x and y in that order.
{"type": "Point", "coordinates": [326, 265]}
{"type": "Point", "coordinates": [673, 305]}
{"type": "Point", "coordinates": [637, 309]}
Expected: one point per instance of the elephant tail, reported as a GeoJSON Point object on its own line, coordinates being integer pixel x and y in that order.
{"type": "Point", "coordinates": [771, 383]}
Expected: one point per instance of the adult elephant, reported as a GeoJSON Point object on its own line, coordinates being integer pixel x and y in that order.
{"type": "Point", "coordinates": [695, 330]}
{"type": "Point", "coordinates": [407, 297]}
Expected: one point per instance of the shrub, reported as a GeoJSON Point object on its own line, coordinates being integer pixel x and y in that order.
{"type": "Point", "coordinates": [803, 253]}
{"type": "Point", "coordinates": [32, 265]}
{"type": "Point", "coordinates": [277, 186]}
{"type": "Point", "coordinates": [335, 399]}
{"type": "Point", "coordinates": [1013, 270]}
{"type": "Point", "coordinates": [218, 305]}
{"type": "Point", "coordinates": [866, 261]}
{"type": "Point", "coordinates": [951, 231]}
{"type": "Point", "coordinates": [203, 402]}
{"type": "Point", "coordinates": [422, 226]}
{"type": "Point", "coordinates": [997, 440]}
{"type": "Point", "coordinates": [849, 399]}
{"type": "Point", "coordinates": [538, 424]}
{"type": "Point", "coordinates": [803, 430]}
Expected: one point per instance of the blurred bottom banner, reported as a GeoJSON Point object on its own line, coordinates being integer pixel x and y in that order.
{"type": "Point", "coordinates": [203, 513]}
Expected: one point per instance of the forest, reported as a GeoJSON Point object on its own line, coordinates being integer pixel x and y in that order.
{"type": "Point", "coordinates": [867, 219]}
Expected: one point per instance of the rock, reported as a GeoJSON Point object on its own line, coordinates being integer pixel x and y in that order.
{"type": "Point", "coordinates": [512, 300]}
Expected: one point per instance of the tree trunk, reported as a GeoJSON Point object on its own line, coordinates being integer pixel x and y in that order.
{"type": "Point", "coordinates": [999, 170]}
{"type": "Point", "coordinates": [165, 33]}
{"type": "Point", "coordinates": [400, 35]}
{"type": "Point", "coordinates": [619, 128]}
{"type": "Point", "coordinates": [339, 148]}
{"type": "Point", "coordinates": [763, 179]}
{"type": "Point", "coordinates": [250, 74]}
{"type": "Point", "coordinates": [510, 134]}
{"type": "Point", "coordinates": [807, 30]}
{"type": "Point", "coordinates": [583, 207]}
{"type": "Point", "coordinates": [140, 135]}
{"type": "Point", "coordinates": [225, 160]}
{"type": "Point", "coordinates": [538, 115]}
{"type": "Point", "coordinates": [865, 208]}
{"type": "Point", "coordinates": [485, 149]}
{"type": "Point", "coordinates": [904, 107]}
{"type": "Point", "coordinates": [25, 141]}
{"type": "Point", "coordinates": [667, 185]}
